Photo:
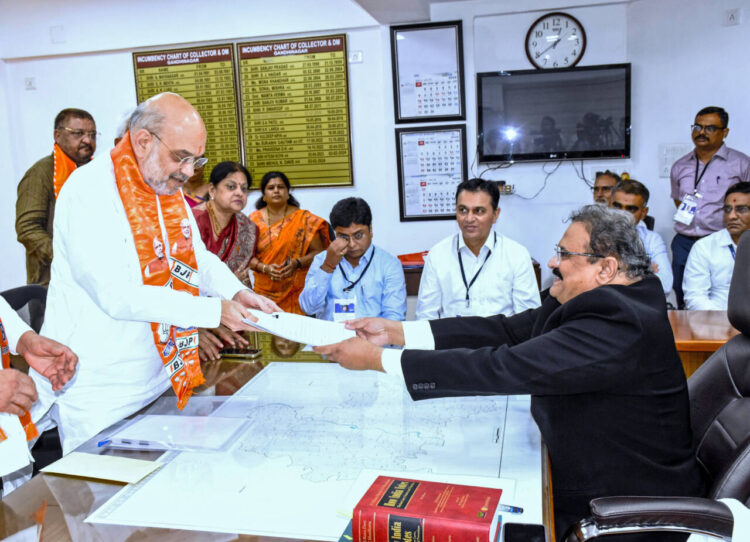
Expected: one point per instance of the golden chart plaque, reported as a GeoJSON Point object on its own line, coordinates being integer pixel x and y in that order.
{"type": "Point", "coordinates": [204, 76]}
{"type": "Point", "coordinates": [294, 95]}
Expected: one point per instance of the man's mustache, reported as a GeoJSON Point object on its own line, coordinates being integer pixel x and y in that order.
{"type": "Point", "coordinates": [556, 272]}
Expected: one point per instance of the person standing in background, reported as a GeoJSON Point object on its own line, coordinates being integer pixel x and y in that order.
{"type": "Point", "coordinates": [699, 181]}
{"type": "Point", "coordinates": [75, 142]}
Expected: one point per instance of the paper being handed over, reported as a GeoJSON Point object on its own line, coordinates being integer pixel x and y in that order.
{"type": "Point", "coordinates": [301, 329]}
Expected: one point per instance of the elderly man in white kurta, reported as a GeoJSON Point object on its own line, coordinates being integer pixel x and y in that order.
{"type": "Point", "coordinates": [134, 332]}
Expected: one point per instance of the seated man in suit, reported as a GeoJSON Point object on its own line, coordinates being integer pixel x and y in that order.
{"type": "Point", "coordinates": [608, 390]}
{"type": "Point", "coordinates": [710, 264]}
{"type": "Point", "coordinates": [353, 277]}
{"type": "Point", "coordinates": [632, 196]}
{"type": "Point", "coordinates": [477, 271]}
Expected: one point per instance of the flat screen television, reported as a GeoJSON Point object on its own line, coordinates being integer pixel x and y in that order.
{"type": "Point", "coordinates": [555, 114]}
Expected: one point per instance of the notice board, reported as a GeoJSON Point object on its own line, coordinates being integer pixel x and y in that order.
{"type": "Point", "coordinates": [294, 98]}
{"type": "Point", "coordinates": [205, 77]}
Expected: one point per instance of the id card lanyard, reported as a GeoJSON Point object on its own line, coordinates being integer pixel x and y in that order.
{"type": "Point", "coordinates": [463, 273]}
{"type": "Point", "coordinates": [689, 204]}
{"type": "Point", "coordinates": [734, 254]}
{"type": "Point", "coordinates": [353, 284]}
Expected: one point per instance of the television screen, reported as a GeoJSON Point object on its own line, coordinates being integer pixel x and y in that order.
{"type": "Point", "coordinates": [556, 114]}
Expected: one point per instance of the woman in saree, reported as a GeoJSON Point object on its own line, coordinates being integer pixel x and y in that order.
{"type": "Point", "coordinates": [229, 234]}
{"type": "Point", "coordinates": [288, 240]}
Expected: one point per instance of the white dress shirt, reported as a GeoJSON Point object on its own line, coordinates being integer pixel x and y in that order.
{"type": "Point", "coordinates": [14, 451]}
{"type": "Point", "coordinates": [657, 251]}
{"type": "Point", "coordinates": [506, 283]}
{"type": "Point", "coordinates": [98, 305]}
{"type": "Point", "coordinates": [708, 272]}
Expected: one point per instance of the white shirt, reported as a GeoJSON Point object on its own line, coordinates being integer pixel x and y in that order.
{"type": "Point", "coordinates": [14, 451]}
{"type": "Point", "coordinates": [505, 285]}
{"type": "Point", "coordinates": [98, 305]}
{"type": "Point", "coordinates": [657, 251]}
{"type": "Point", "coordinates": [708, 272]}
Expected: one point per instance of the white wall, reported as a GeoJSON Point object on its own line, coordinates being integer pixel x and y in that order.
{"type": "Point", "coordinates": [683, 59]}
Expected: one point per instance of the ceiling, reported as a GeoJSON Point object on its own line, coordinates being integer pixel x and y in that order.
{"type": "Point", "coordinates": [399, 11]}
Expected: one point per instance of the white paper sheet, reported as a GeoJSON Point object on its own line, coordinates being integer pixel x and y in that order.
{"type": "Point", "coordinates": [301, 329]}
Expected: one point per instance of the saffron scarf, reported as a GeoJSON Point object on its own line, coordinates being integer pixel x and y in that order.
{"type": "Point", "coordinates": [28, 427]}
{"type": "Point", "coordinates": [64, 166]}
{"type": "Point", "coordinates": [176, 268]}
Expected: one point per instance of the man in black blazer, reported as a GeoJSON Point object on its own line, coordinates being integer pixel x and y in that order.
{"type": "Point", "coordinates": [598, 357]}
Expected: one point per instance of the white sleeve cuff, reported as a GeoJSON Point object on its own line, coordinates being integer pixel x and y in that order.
{"type": "Point", "coordinates": [418, 336]}
{"type": "Point", "coordinates": [391, 361]}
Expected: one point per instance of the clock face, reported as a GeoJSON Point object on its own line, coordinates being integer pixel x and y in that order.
{"type": "Point", "coordinates": [555, 40]}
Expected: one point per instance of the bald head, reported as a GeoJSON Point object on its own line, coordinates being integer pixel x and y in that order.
{"type": "Point", "coordinates": [167, 135]}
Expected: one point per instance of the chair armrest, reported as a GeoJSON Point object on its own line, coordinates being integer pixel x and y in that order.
{"type": "Point", "coordinates": [621, 515]}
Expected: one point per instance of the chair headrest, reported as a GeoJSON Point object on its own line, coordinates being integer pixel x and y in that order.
{"type": "Point", "coordinates": [738, 309]}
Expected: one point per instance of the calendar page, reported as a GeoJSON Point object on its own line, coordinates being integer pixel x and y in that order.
{"type": "Point", "coordinates": [432, 163]}
{"type": "Point", "coordinates": [428, 72]}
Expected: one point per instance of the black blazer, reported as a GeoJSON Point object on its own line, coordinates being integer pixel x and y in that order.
{"type": "Point", "coordinates": [608, 390]}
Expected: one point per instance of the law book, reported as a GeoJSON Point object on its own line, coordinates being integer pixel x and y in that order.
{"type": "Point", "coordinates": [403, 510]}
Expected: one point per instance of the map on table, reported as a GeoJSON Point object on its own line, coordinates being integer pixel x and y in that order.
{"type": "Point", "coordinates": [314, 429]}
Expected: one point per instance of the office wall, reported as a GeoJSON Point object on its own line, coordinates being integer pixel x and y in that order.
{"type": "Point", "coordinates": [682, 59]}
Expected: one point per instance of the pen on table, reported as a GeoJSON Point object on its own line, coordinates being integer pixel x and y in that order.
{"type": "Point", "coordinates": [509, 508]}
{"type": "Point", "coordinates": [103, 443]}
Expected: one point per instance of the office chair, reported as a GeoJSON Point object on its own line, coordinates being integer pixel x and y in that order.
{"type": "Point", "coordinates": [720, 417]}
{"type": "Point", "coordinates": [19, 297]}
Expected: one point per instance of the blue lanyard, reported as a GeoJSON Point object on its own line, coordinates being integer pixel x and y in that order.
{"type": "Point", "coordinates": [734, 254]}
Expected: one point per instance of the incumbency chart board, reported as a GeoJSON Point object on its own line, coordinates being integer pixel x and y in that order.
{"type": "Point", "coordinates": [294, 95]}
{"type": "Point", "coordinates": [204, 76]}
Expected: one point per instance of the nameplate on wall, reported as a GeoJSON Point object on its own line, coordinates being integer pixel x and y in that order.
{"type": "Point", "coordinates": [294, 98]}
{"type": "Point", "coordinates": [204, 76]}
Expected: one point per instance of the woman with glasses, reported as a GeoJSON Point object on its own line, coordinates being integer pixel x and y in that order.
{"type": "Point", "coordinates": [225, 230]}
{"type": "Point", "coordinates": [288, 240]}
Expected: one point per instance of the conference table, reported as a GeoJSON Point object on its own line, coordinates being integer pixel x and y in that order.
{"type": "Point", "coordinates": [698, 334]}
{"type": "Point", "coordinates": [70, 500]}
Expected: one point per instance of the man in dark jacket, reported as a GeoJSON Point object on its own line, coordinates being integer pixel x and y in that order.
{"type": "Point", "coordinates": [598, 357]}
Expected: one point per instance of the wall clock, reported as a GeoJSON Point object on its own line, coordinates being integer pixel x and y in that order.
{"type": "Point", "coordinates": [555, 40]}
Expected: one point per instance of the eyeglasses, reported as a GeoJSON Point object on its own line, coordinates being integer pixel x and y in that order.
{"type": "Point", "coordinates": [233, 186]}
{"type": "Point", "coordinates": [561, 253]}
{"type": "Point", "coordinates": [195, 161]}
{"type": "Point", "coordinates": [79, 134]}
{"type": "Point", "coordinates": [629, 208]}
{"type": "Point", "coordinates": [739, 209]}
{"type": "Point", "coordinates": [358, 236]}
{"type": "Point", "coordinates": [603, 188]}
{"type": "Point", "coordinates": [710, 129]}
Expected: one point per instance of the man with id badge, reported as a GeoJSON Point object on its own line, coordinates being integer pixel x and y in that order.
{"type": "Point", "coordinates": [699, 181]}
{"type": "Point", "coordinates": [710, 265]}
{"type": "Point", "coordinates": [354, 278]}
{"type": "Point", "coordinates": [477, 272]}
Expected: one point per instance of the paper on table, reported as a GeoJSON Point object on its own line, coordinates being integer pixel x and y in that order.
{"type": "Point", "coordinates": [102, 467]}
{"type": "Point", "coordinates": [301, 329]}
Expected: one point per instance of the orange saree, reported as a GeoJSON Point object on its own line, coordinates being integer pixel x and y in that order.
{"type": "Point", "coordinates": [286, 239]}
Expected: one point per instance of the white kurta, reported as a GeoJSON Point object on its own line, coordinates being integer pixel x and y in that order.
{"type": "Point", "coordinates": [14, 451]}
{"type": "Point", "coordinates": [98, 305]}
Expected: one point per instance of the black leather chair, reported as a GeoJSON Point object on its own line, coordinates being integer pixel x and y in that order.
{"type": "Point", "coordinates": [29, 294]}
{"type": "Point", "coordinates": [720, 416]}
